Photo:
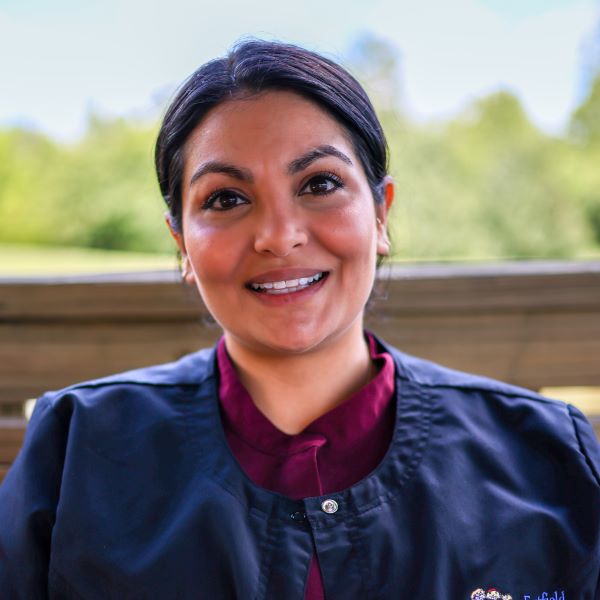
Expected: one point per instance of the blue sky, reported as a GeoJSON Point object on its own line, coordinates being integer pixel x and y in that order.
{"type": "Point", "coordinates": [60, 59]}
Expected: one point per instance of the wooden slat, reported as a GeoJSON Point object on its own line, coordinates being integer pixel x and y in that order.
{"type": "Point", "coordinates": [11, 438]}
{"type": "Point", "coordinates": [531, 350]}
{"type": "Point", "coordinates": [162, 297]}
{"type": "Point", "coordinates": [507, 286]}
{"type": "Point", "coordinates": [496, 288]}
{"type": "Point", "coordinates": [3, 470]}
{"type": "Point", "coordinates": [35, 357]}
{"type": "Point", "coordinates": [12, 432]}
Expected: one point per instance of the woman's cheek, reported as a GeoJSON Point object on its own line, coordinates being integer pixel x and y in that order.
{"type": "Point", "coordinates": [355, 223]}
{"type": "Point", "coordinates": [213, 252]}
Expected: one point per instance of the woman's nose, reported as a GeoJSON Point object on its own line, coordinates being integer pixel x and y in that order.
{"type": "Point", "coordinates": [278, 232]}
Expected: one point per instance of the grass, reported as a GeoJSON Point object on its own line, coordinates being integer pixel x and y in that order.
{"type": "Point", "coordinates": [28, 261]}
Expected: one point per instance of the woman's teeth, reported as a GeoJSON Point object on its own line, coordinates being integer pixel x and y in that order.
{"type": "Point", "coordinates": [287, 286]}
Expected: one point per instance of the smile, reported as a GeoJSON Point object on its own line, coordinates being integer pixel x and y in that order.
{"type": "Point", "coordinates": [288, 286]}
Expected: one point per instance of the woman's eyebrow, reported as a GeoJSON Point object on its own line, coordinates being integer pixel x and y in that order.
{"type": "Point", "coordinates": [300, 163]}
{"type": "Point", "coordinates": [297, 165]}
{"type": "Point", "coordinates": [215, 166]}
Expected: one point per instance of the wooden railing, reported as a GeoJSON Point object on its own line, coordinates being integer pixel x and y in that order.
{"type": "Point", "coordinates": [534, 324]}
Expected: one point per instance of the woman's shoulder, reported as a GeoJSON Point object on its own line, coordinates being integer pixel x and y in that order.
{"type": "Point", "coordinates": [501, 416]}
{"type": "Point", "coordinates": [427, 373]}
{"type": "Point", "coordinates": [454, 385]}
{"type": "Point", "coordinates": [159, 392]}
{"type": "Point", "coordinates": [189, 370]}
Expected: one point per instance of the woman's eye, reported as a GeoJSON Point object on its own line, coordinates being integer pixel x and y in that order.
{"type": "Point", "coordinates": [224, 200]}
{"type": "Point", "coordinates": [321, 184]}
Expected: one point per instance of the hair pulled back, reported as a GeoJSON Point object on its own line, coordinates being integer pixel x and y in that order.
{"type": "Point", "coordinates": [256, 66]}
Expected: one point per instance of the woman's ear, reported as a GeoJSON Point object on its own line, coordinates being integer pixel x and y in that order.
{"type": "Point", "coordinates": [187, 274]}
{"type": "Point", "coordinates": [382, 210]}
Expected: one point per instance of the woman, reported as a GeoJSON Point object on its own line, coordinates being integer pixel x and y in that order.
{"type": "Point", "coordinates": [302, 457]}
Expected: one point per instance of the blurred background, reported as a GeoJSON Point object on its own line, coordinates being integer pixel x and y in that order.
{"type": "Point", "coordinates": [492, 113]}
{"type": "Point", "coordinates": [491, 109]}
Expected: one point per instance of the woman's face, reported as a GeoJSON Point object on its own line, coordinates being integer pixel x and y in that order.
{"type": "Point", "coordinates": [279, 226]}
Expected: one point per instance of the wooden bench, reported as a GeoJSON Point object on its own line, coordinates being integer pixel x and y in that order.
{"type": "Point", "coordinates": [535, 324]}
{"type": "Point", "coordinates": [11, 438]}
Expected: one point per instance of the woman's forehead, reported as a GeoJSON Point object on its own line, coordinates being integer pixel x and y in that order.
{"type": "Point", "coordinates": [279, 125]}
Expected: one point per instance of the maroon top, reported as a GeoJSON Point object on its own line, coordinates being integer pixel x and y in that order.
{"type": "Point", "coordinates": [334, 452]}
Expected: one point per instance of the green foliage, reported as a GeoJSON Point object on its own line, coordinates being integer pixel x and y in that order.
{"type": "Point", "coordinates": [100, 192]}
{"type": "Point", "coordinates": [585, 124]}
{"type": "Point", "coordinates": [21, 260]}
{"type": "Point", "coordinates": [484, 184]}
{"type": "Point", "coordinates": [582, 165]}
{"type": "Point", "coordinates": [25, 161]}
{"type": "Point", "coordinates": [487, 184]}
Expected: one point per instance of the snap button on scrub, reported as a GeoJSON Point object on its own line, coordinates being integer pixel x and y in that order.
{"type": "Point", "coordinates": [298, 516]}
{"type": "Point", "coordinates": [329, 506]}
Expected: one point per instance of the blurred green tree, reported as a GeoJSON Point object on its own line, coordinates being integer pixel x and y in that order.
{"type": "Point", "coordinates": [585, 159]}
{"type": "Point", "coordinates": [485, 184]}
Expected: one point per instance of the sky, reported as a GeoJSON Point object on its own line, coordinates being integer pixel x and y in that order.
{"type": "Point", "coordinates": [62, 59]}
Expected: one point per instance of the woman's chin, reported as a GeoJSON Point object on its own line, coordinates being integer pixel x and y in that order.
{"type": "Point", "coordinates": [292, 345]}
{"type": "Point", "coordinates": [286, 342]}
{"type": "Point", "coordinates": [294, 341]}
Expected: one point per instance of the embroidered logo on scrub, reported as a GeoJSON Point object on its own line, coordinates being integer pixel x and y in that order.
{"type": "Point", "coordinates": [494, 594]}
{"type": "Point", "coordinates": [491, 594]}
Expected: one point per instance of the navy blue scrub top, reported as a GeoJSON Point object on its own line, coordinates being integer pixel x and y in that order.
{"type": "Point", "coordinates": [126, 489]}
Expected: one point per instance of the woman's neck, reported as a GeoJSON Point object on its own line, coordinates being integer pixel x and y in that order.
{"type": "Point", "coordinates": [294, 390]}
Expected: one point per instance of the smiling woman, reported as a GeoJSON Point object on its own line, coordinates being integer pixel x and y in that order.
{"type": "Point", "coordinates": [272, 191]}
{"type": "Point", "coordinates": [301, 458]}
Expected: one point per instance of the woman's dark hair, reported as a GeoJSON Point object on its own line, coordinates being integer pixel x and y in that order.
{"type": "Point", "coordinates": [256, 66]}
